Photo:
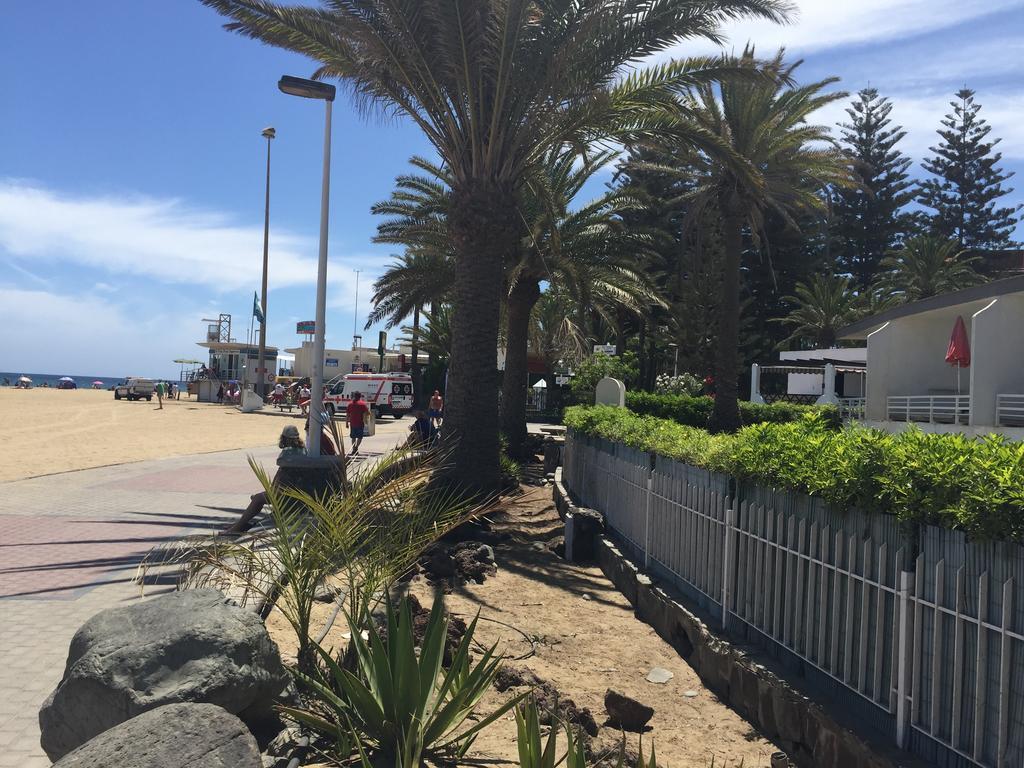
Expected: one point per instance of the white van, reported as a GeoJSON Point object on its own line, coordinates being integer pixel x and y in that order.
{"type": "Point", "coordinates": [387, 394]}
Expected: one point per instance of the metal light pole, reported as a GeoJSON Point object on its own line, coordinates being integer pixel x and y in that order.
{"type": "Point", "coordinates": [311, 89]}
{"type": "Point", "coordinates": [675, 362]}
{"type": "Point", "coordinates": [261, 372]}
{"type": "Point", "coordinates": [355, 313]}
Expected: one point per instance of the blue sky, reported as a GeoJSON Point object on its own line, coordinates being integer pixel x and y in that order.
{"type": "Point", "coordinates": [131, 163]}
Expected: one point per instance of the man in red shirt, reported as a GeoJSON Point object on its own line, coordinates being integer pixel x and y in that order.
{"type": "Point", "coordinates": [355, 418]}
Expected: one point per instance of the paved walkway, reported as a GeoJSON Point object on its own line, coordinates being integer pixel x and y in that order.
{"type": "Point", "coordinates": [70, 545]}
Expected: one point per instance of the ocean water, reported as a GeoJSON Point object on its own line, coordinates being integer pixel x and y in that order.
{"type": "Point", "coordinates": [83, 382]}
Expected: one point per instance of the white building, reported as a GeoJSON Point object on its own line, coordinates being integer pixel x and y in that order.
{"type": "Point", "coordinates": [834, 376]}
{"type": "Point", "coordinates": [338, 362]}
{"type": "Point", "coordinates": [909, 380]}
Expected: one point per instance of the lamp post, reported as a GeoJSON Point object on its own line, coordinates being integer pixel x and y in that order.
{"type": "Point", "coordinates": [311, 89]}
{"type": "Point", "coordinates": [261, 372]}
{"type": "Point", "coordinates": [675, 361]}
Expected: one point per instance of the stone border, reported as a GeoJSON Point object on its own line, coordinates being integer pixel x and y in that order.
{"type": "Point", "coordinates": [810, 736]}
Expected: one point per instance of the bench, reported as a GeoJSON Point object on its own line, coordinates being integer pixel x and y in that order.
{"type": "Point", "coordinates": [286, 406]}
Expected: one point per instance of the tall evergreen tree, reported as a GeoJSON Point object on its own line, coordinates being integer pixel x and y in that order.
{"type": "Point", "coordinates": [868, 221]}
{"type": "Point", "coordinates": [968, 183]}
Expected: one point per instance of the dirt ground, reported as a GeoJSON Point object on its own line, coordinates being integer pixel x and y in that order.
{"type": "Point", "coordinates": [580, 635]}
{"type": "Point", "coordinates": [43, 430]}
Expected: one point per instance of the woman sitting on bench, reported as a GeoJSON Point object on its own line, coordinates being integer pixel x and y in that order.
{"type": "Point", "coordinates": [290, 444]}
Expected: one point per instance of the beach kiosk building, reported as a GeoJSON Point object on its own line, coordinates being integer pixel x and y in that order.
{"type": "Point", "coordinates": [909, 381]}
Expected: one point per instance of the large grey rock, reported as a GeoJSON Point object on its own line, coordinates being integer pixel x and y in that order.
{"type": "Point", "coordinates": [192, 646]}
{"type": "Point", "coordinates": [171, 736]}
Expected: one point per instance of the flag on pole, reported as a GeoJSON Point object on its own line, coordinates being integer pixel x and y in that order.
{"type": "Point", "coordinates": [257, 310]}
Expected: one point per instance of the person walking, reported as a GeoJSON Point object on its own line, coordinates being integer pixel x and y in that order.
{"type": "Point", "coordinates": [436, 408]}
{"type": "Point", "coordinates": [355, 419]}
{"type": "Point", "coordinates": [160, 395]}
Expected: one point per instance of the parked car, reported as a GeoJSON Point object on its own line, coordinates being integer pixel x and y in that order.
{"type": "Point", "coordinates": [387, 394]}
{"type": "Point", "coordinates": [134, 388]}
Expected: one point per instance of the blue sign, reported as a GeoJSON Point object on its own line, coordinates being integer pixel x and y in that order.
{"type": "Point", "coordinates": [331, 362]}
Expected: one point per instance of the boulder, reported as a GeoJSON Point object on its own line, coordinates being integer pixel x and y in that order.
{"type": "Point", "coordinates": [629, 714]}
{"type": "Point", "coordinates": [171, 736]}
{"type": "Point", "coordinates": [192, 646]}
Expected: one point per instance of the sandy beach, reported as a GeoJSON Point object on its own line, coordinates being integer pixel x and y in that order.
{"type": "Point", "coordinates": [43, 431]}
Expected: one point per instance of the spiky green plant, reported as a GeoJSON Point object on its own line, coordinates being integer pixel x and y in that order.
{"type": "Point", "coordinates": [538, 752]}
{"type": "Point", "coordinates": [398, 706]}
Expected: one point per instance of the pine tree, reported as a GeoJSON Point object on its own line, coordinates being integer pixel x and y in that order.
{"type": "Point", "coordinates": [869, 221]}
{"type": "Point", "coordinates": [968, 182]}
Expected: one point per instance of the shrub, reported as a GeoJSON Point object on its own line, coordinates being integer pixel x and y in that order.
{"type": "Point", "coordinates": [695, 411]}
{"type": "Point", "coordinates": [398, 706]}
{"type": "Point", "coordinates": [591, 370]}
{"type": "Point", "coordinates": [680, 384]}
{"type": "Point", "coordinates": [976, 485]}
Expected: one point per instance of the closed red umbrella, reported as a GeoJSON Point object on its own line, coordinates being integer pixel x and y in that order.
{"type": "Point", "coordinates": [959, 351]}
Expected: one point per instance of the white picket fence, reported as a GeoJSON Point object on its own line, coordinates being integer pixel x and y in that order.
{"type": "Point", "coordinates": [938, 668]}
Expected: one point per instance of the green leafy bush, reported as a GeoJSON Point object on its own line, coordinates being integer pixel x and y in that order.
{"type": "Point", "coordinates": [624, 367]}
{"type": "Point", "coordinates": [695, 411]}
{"type": "Point", "coordinates": [976, 485]}
{"type": "Point", "coordinates": [397, 706]}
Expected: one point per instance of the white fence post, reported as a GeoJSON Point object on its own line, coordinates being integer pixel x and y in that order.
{"type": "Point", "coordinates": [902, 693]}
{"type": "Point", "coordinates": [647, 519]}
{"type": "Point", "coordinates": [727, 557]}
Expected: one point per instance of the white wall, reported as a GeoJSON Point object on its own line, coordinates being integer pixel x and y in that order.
{"type": "Point", "coordinates": [997, 355]}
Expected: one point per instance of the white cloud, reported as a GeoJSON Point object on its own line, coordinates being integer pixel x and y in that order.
{"type": "Point", "coordinates": [821, 24]}
{"type": "Point", "coordinates": [163, 239]}
{"type": "Point", "coordinates": [82, 335]}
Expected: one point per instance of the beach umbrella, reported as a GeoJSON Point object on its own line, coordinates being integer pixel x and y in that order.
{"type": "Point", "coordinates": [26, 379]}
{"type": "Point", "coordinates": [65, 378]}
{"type": "Point", "coordinates": [959, 351]}
{"type": "Point", "coordinates": [98, 383]}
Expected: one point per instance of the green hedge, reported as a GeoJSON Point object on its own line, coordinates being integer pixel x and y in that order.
{"type": "Point", "coordinates": [695, 411]}
{"type": "Point", "coordinates": [942, 479]}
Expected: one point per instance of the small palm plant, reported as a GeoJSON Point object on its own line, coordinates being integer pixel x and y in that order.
{"type": "Point", "coordinates": [356, 543]}
{"type": "Point", "coordinates": [395, 706]}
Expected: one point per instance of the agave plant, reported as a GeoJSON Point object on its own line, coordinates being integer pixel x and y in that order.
{"type": "Point", "coordinates": [396, 706]}
{"type": "Point", "coordinates": [534, 754]}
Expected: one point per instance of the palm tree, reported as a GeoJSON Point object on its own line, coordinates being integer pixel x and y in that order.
{"type": "Point", "coordinates": [495, 85]}
{"type": "Point", "coordinates": [925, 266]}
{"type": "Point", "coordinates": [823, 305]}
{"type": "Point", "coordinates": [436, 335]}
{"type": "Point", "coordinates": [766, 159]}
{"type": "Point", "coordinates": [587, 252]}
{"type": "Point", "coordinates": [418, 278]}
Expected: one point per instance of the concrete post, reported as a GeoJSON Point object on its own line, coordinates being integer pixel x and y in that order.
{"type": "Point", "coordinates": [755, 384]}
{"type": "Point", "coordinates": [828, 395]}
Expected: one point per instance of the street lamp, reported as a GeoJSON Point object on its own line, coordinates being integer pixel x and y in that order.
{"type": "Point", "coordinates": [675, 363]}
{"type": "Point", "coordinates": [261, 371]}
{"type": "Point", "coordinates": [311, 89]}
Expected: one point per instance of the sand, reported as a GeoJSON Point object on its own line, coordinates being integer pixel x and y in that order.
{"type": "Point", "coordinates": [43, 431]}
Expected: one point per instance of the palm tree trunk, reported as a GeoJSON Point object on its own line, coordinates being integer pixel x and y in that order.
{"type": "Point", "coordinates": [520, 303]}
{"type": "Point", "coordinates": [484, 231]}
{"type": "Point", "coordinates": [726, 414]}
{"type": "Point", "coordinates": [417, 383]}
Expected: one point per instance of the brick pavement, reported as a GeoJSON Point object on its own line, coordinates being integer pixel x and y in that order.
{"type": "Point", "coordinates": [70, 545]}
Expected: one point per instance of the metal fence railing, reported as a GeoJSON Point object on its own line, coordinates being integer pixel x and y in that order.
{"type": "Point", "coordinates": [1010, 410]}
{"type": "Point", "coordinates": [931, 409]}
{"type": "Point", "coordinates": [852, 408]}
{"type": "Point", "coordinates": [920, 634]}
